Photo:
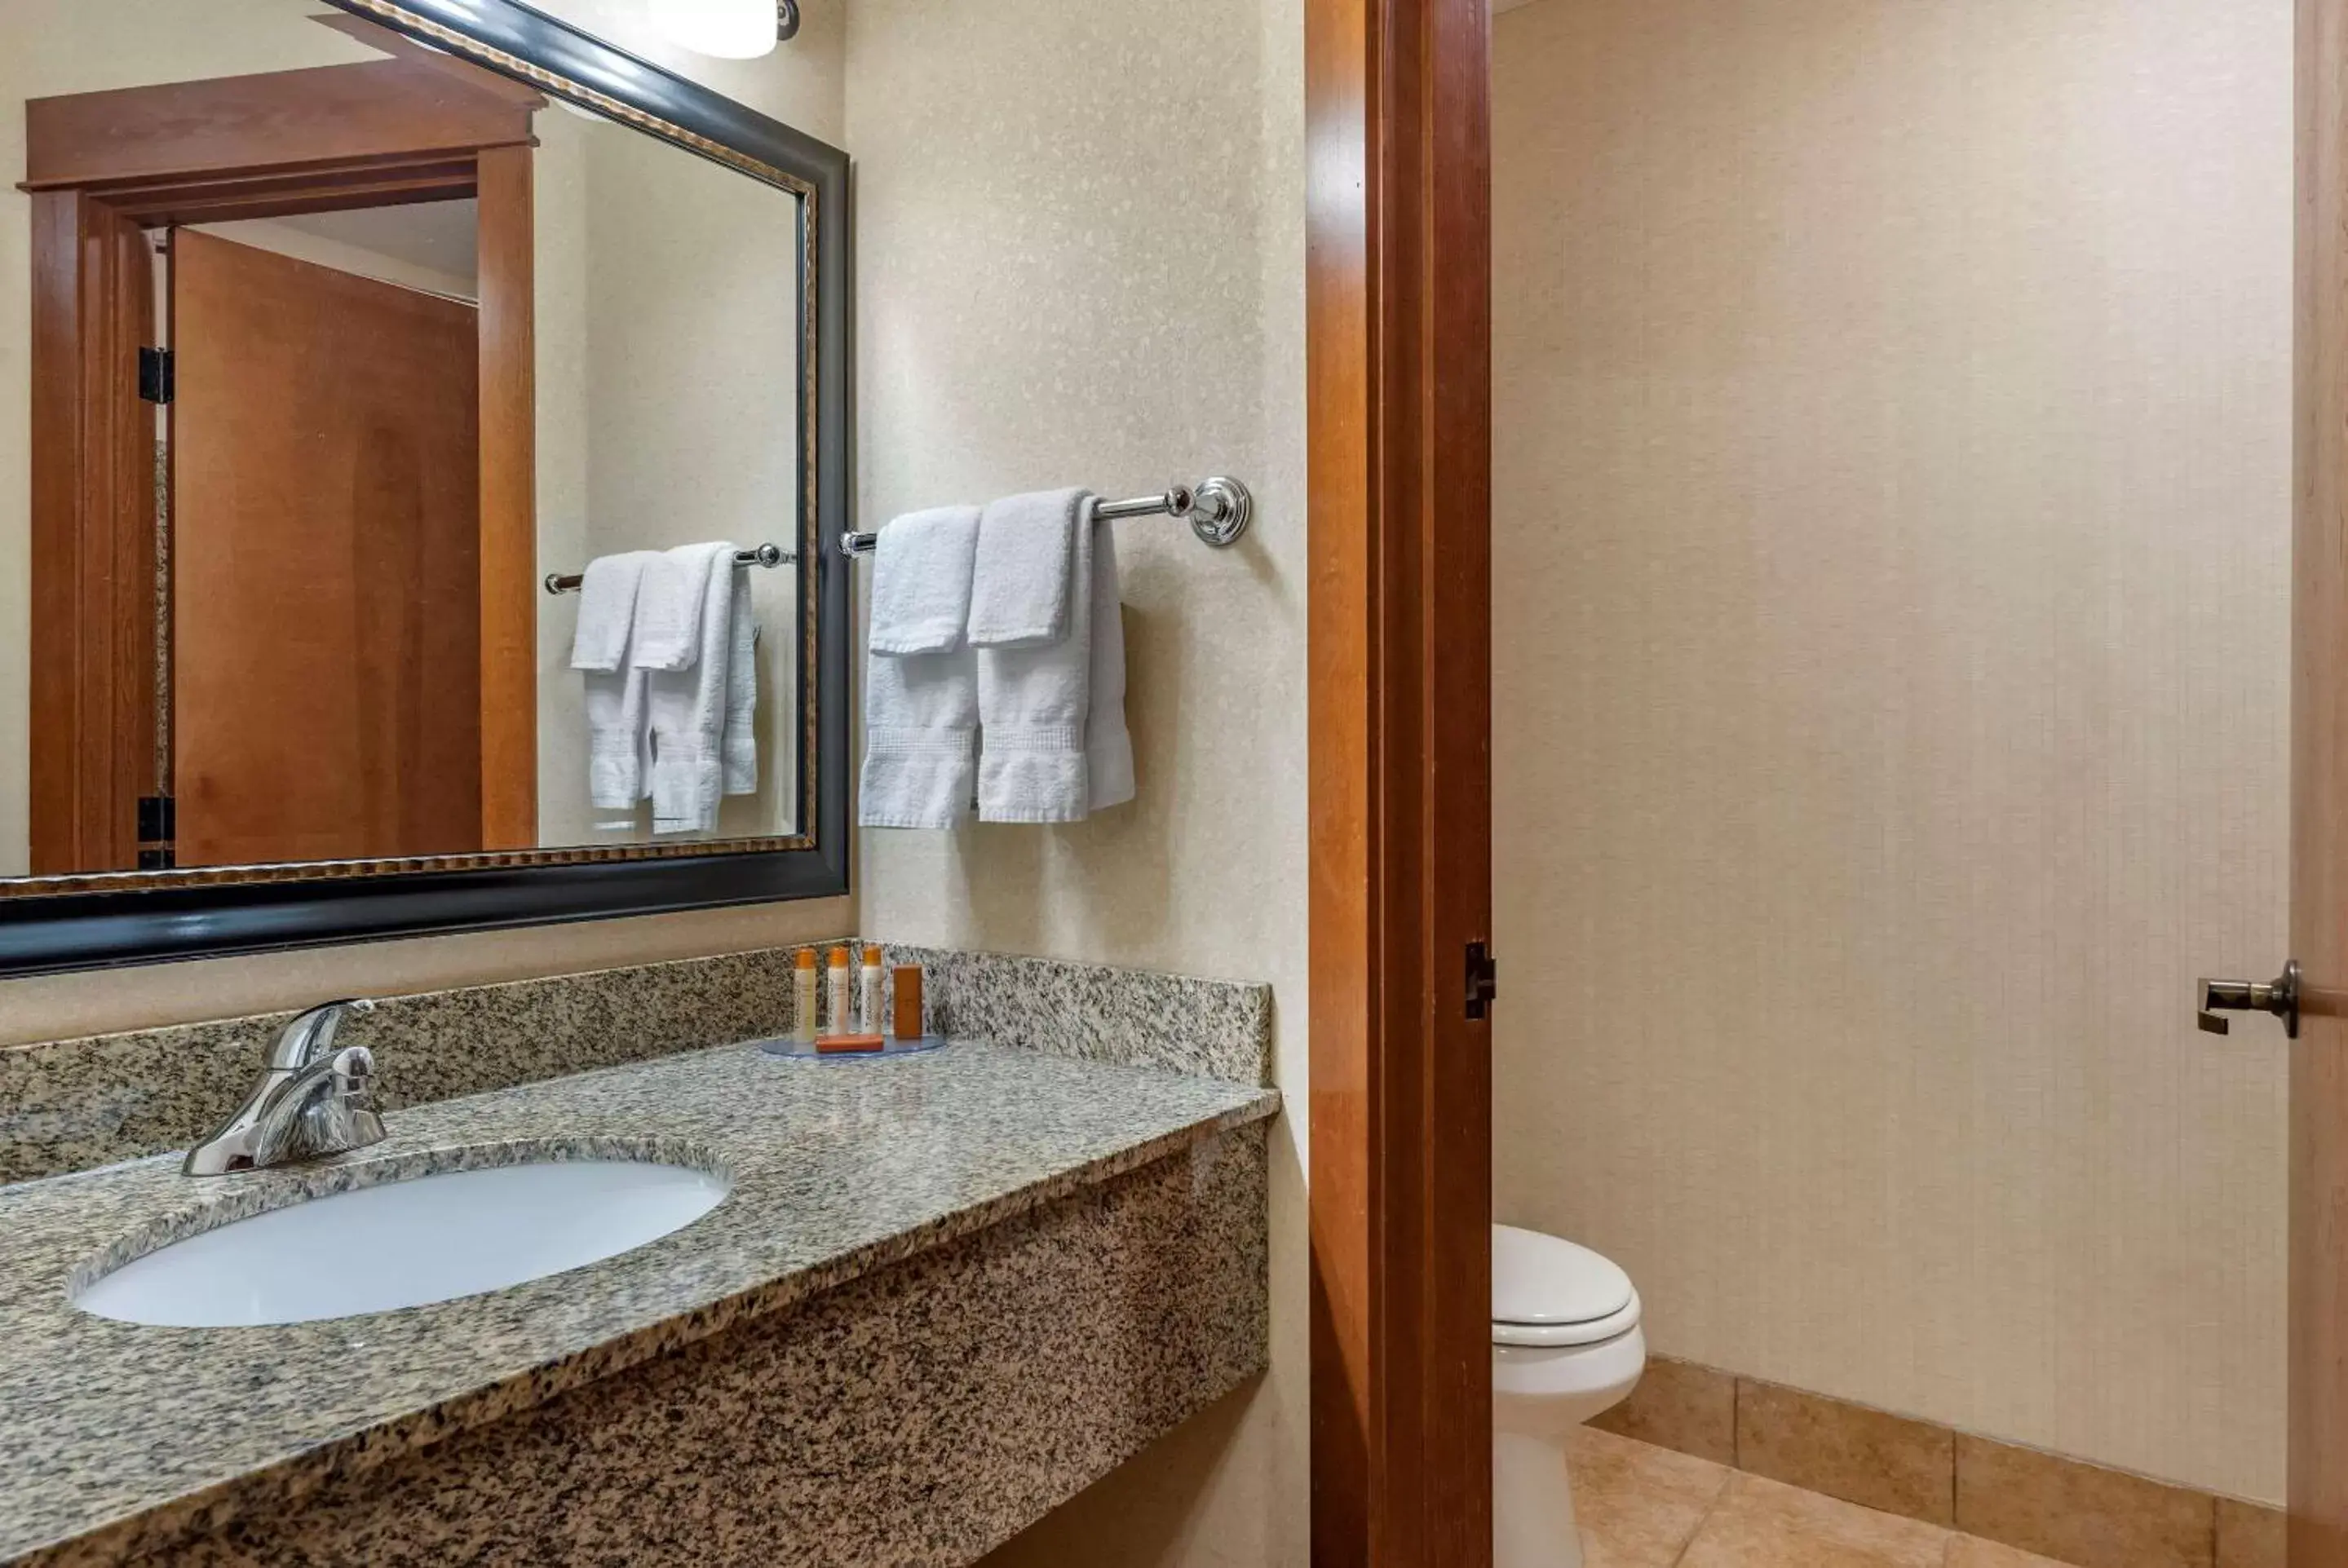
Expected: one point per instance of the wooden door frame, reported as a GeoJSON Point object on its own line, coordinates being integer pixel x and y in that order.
{"type": "Point", "coordinates": [413, 127]}
{"type": "Point", "coordinates": [2318, 1358]}
{"type": "Point", "coordinates": [1399, 391]}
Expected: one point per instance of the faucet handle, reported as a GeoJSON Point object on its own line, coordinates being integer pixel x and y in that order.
{"type": "Point", "coordinates": [309, 1035]}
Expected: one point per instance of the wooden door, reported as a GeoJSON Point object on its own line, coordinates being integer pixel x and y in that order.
{"type": "Point", "coordinates": [2319, 894]}
{"type": "Point", "coordinates": [326, 468]}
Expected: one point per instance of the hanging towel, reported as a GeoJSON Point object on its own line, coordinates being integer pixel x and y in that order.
{"type": "Point", "coordinates": [1021, 593]}
{"type": "Point", "coordinates": [617, 736]}
{"type": "Point", "coordinates": [688, 706]}
{"type": "Point", "coordinates": [669, 610]}
{"type": "Point", "coordinates": [1035, 704]}
{"type": "Point", "coordinates": [741, 742]}
{"type": "Point", "coordinates": [921, 581]}
{"type": "Point", "coordinates": [1109, 745]}
{"type": "Point", "coordinates": [921, 710]}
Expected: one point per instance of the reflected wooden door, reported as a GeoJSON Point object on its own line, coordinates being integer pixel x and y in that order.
{"type": "Point", "coordinates": [326, 490]}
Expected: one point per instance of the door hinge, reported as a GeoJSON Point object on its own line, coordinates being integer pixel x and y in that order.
{"type": "Point", "coordinates": [1483, 979]}
{"type": "Point", "coordinates": [157, 375]}
{"type": "Point", "coordinates": [158, 819]}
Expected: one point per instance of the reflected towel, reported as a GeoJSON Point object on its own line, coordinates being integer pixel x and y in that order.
{"type": "Point", "coordinates": [688, 706]}
{"type": "Point", "coordinates": [615, 689]}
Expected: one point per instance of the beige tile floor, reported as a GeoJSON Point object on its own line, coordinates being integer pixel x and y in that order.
{"type": "Point", "coordinates": [1645, 1507]}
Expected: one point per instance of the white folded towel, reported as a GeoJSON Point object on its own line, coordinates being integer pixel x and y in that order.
{"type": "Point", "coordinates": [617, 737]}
{"type": "Point", "coordinates": [1037, 715]}
{"type": "Point", "coordinates": [669, 610]}
{"type": "Point", "coordinates": [1020, 587]}
{"type": "Point", "coordinates": [688, 706]}
{"type": "Point", "coordinates": [920, 714]}
{"type": "Point", "coordinates": [921, 581]}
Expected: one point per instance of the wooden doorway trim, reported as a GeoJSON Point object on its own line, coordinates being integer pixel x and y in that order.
{"type": "Point", "coordinates": [2319, 814]}
{"type": "Point", "coordinates": [95, 636]}
{"type": "Point", "coordinates": [413, 127]}
{"type": "Point", "coordinates": [1399, 389]}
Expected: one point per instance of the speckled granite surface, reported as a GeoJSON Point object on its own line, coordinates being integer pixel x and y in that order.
{"type": "Point", "coordinates": [71, 1105]}
{"type": "Point", "coordinates": [123, 1439]}
{"type": "Point", "coordinates": [1217, 1029]}
{"type": "Point", "coordinates": [918, 1417]}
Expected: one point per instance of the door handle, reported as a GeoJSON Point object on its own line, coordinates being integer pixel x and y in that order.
{"type": "Point", "coordinates": [2279, 997]}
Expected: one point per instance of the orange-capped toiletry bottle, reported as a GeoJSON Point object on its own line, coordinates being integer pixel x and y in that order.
{"type": "Point", "coordinates": [867, 990]}
{"type": "Point", "coordinates": [805, 1008]}
{"type": "Point", "coordinates": [842, 991]}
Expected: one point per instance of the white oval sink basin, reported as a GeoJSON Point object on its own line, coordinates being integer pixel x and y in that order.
{"type": "Point", "coordinates": [406, 1244]}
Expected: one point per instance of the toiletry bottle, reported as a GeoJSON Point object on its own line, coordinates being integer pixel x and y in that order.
{"type": "Point", "coordinates": [909, 1023]}
{"type": "Point", "coordinates": [842, 991]}
{"type": "Point", "coordinates": [867, 990]}
{"type": "Point", "coordinates": [805, 1009]}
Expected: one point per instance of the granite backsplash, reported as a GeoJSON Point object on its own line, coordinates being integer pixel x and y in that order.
{"type": "Point", "coordinates": [69, 1105]}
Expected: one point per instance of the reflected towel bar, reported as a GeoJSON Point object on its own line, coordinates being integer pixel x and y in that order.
{"type": "Point", "coordinates": [1218, 510]}
{"type": "Point", "coordinates": [765, 555]}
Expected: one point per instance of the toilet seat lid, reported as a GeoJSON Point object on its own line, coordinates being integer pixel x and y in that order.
{"type": "Point", "coordinates": [1547, 1281]}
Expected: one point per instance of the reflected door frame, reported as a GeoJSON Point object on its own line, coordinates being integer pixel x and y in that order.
{"type": "Point", "coordinates": [104, 168]}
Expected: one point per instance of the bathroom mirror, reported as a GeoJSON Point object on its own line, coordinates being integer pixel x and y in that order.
{"type": "Point", "coordinates": [350, 334]}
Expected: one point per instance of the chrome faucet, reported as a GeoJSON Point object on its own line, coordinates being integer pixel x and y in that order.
{"type": "Point", "coordinates": [314, 1102]}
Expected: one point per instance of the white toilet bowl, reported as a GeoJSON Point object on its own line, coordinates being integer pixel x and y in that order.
{"type": "Point", "coordinates": [1565, 1346]}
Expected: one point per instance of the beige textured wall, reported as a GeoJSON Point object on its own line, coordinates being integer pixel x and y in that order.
{"type": "Point", "coordinates": [1892, 577]}
{"type": "Point", "coordinates": [1081, 261]}
{"type": "Point", "coordinates": [801, 84]}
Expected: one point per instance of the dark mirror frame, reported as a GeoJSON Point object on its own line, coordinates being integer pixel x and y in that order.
{"type": "Point", "coordinates": [250, 910]}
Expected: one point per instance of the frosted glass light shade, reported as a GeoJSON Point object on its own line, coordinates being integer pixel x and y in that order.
{"type": "Point", "coordinates": [729, 29]}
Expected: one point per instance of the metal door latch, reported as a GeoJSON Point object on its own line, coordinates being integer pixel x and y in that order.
{"type": "Point", "coordinates": [1483, 979]}
{"type": "Point", "coordinates": [2280, 998]}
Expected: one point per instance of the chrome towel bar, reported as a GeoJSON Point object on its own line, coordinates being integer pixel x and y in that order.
{"type": "Point", "coordinates": [1217, 509]}
{"type": "Point", "coordinates": [765, 555]}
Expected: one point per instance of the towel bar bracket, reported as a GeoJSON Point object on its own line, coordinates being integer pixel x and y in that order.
{"type": "Point", "coordinates": [1219, 511]}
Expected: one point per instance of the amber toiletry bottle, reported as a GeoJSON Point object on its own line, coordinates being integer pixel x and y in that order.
{"type": "Point", "coordinates": [909, 1023]}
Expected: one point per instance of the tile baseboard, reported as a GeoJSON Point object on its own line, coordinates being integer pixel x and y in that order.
{"type": "Point", "coordinates": [2068, 1510]}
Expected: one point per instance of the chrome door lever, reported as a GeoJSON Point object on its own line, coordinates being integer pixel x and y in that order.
{"type": "Point", "coordinates": [2280, 998]}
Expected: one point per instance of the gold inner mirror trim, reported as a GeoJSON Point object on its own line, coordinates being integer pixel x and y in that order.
{"type": "Point", "coordinates": [810, 551]}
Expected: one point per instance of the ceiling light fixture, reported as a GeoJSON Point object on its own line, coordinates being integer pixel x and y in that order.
{"type": "Point", "coordinates": [729, 29]}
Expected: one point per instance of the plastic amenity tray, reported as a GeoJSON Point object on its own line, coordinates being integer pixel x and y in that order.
{"type": "Point", "coordinates": [805, 1051]}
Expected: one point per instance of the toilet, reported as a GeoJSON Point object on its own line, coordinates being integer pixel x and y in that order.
{"type": "Point", "coordinates": [1565, 1346]}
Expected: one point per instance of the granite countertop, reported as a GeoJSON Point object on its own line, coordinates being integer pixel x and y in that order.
{"type": "Point", "coordinates": [117, 1435]}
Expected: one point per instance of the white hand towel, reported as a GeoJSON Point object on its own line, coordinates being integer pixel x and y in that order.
{"type": "Point", "coordinates": [1024, 589]}
{"type": "Point", "coordinates": [741, 742]}
{"type": "Point", "coordinates": [920, 723]}
{"type": "Point", "coordinates": [688, 706]}
{"type": "Point", "coordinates": [669, 610]}
{"type": "Point", "coordinates": [921, 581]}
{"type": "Point", "coordinates": [1033, 704]}
{"type": "Point", "coordinates": [1109, 745]}
{"type": "Point", "coordinates": [616, 738]}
